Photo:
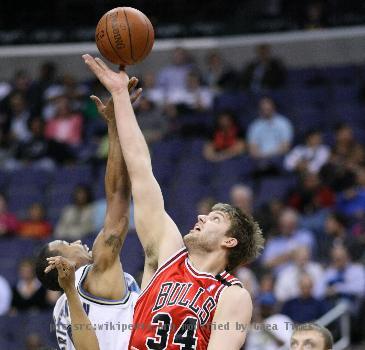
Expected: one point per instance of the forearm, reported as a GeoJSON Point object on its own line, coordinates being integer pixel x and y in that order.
{"type": "Point", "coordinates": [83, 334]}
{"type": "Point", "coordinates": [132, 141]}
{"type": "Point", "coordinates": [117, 183]}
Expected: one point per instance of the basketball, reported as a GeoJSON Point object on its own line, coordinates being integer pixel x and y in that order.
{"type": "Point", "coordinates": [124, 36]}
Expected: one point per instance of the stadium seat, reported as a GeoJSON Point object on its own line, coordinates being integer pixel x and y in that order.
{"type": "Point", "coordinates": [73, 175]}
{"type": "Point", "coordinates": [274, 188]}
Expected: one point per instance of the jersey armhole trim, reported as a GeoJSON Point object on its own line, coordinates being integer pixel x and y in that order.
{"type": "Point", "coordinates": [100, 300]}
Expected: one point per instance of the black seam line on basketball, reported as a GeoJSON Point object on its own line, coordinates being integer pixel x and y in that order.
{"type": "Point", "coordinates": [107, 35]}
{"type": "Point", "coordinates": [130, 36]}
{"type": "Point", "coordinates": [148, 37]}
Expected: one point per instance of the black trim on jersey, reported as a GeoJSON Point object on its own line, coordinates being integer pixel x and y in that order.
{"type": "Point", "coordinates": [222, 280]}
{"type": "Point", "coordinates": [103, 303]}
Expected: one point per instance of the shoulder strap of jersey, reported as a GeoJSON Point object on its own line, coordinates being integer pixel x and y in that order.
{"type": "Point", "coordinates": [99, 300]}
{"type": "Point", "coordinates": [227, 280]}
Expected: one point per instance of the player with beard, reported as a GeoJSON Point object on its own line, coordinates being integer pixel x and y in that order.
{"type": "Point", "coordinates": [189, 300]}
{"type": "Point", "coordinates": [107, 294]}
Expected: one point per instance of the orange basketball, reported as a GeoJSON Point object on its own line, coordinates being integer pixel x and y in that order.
{"type": "Point", "coordinates": [124, 36]}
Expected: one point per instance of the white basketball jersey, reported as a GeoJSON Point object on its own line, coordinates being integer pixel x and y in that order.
{"type": "Point", "coordinates": [112, 319]}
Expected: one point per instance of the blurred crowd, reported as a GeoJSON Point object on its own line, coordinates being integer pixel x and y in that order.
{"type": "Point", "coordinates": [314, 254]}
{"type": "Point", "coordinates": [202, 18]}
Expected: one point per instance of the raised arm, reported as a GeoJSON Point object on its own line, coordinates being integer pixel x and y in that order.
{"type": "Point", "coordinates": [158, 234]}
{"type": "Point", "coordinates": [83, 334]}
{"type": "Point", "coordinates": [105, 278]}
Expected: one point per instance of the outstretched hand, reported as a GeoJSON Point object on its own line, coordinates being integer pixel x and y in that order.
{"type": "Point", "coordinates": [113, 82]}
{"type": "Point", "coordinates": [66, 271]}
{"type": "Point", "coordinates": [107, 111]}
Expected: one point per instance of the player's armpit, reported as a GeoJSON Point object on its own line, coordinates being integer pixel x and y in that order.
{"type": "Point", "coordinates": [159, 235]}
{"type": "Point", "coordinates": [231, 320]}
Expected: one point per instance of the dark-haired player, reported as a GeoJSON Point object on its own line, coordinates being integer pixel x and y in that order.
{"type": "Point", "coordinates": [108, 295]}
{"type": "Point", "coordinates": [190, 302]}
{"type": "Point", "coordinates": [84, 337]}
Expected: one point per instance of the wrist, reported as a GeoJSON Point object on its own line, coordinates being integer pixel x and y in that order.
{"type": "Point", "coordinates": [70, 290]}
{"type": "Point", "coordinates": [120, 91]}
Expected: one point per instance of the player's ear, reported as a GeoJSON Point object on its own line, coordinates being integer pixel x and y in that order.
{"type": "Point", "coordinates": [230, 242]}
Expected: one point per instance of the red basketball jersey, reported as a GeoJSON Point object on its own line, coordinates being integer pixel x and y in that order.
{"type": "Point", "coordinates": [176, 309]}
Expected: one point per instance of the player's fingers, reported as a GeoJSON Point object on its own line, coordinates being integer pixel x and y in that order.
{"type": "Point", "coordinates": [49, 268]}
{"type": "Point", "coordinates": [92, 64]}
{"type": "Point", "coordinates": [136, 96]}
{"type": "Point", "coordinates": [133, 82]}
{"type": "Point", "coordinates": [53, 259]}
{"type": "Point", "coordinates": [99, 105]}
{"type": "Point", "coordinates": [101, 63]}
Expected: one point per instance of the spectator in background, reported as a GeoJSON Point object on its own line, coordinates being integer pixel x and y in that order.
{"type": "Point", "coordinates": [351, 201]}
{"type": "Point", "coordinates": [287, 284]}
{"type": "Point", "coordinates": [264, 72]}
{"type": "Point", "coordinates": [311, 195]}
{"type": "Point", "coordinates": [267, 216]}
{"type": "Point", "coordinates": [20, 84]}
{"type": "Point", "coordinates": [8, 221]}
{"type": "Point", "coordinates": [242, 198]}
{"type": "Point", "coordinates": [269, 136]}
{"type": "Point", "coordinates": [90, 110]}
{"type": "Point", "coordinates": [218, 76]}
{"type": "Point", "coordinates": [337, 232]}
{"type": "Point", "coordinates": [74, 91]}
{"type": "Point", "coordinates": [281, 249]}
{"type": "Point", "coordinates": [152, 122]}
{"type": "Point", "coordinates": [346, 156]}
{"type": "Point", "coordinates": [151, 91]}
{"type": "Point", "coordinates": [19, 116]}
{"type": "Point", "coordinates": [38, 151]}
{"type": "Point", "coordinates": [35, 151]}
{"type": "Point", "coordinates": [36, 225]}
{"type": "Point", "coordinates": [309, 157]}
{"type": "Point", "coordinates": [28, 292]}
{"type": "Point", "coordinates": [226, 140]}
{"type": "Point", "coordinates": [346, 149]}
{"type": "Point", "coordinates": [305, 307]}
{"type": "Point", "coordinates": [174, 76]}
{"type": "Point", "coordinates": [47, 78]}
{"type": "Point", "coordinates": [76, 220]}
{"type": "Point", "coordinates": [344, 279]}
{"type": "Point", "coordinates": [66, 126]}
{"type": "Point", "coordinates": [270, 329]}
{"type": "Point", "coordinates": [194, 97]}
{"type": "Point", "coordinates": [5, 296]}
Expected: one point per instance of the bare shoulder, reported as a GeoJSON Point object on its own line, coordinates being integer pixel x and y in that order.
{"type": "Point", "coordinates": [234, 308]}
{"type": "Point", "coordinates": [236, 296]}
{"type": "Point", "coordinates": [235, 303]}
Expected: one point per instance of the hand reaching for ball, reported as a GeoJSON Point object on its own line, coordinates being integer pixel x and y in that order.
{"type": "Point", "coordinates": [65, 269]}
{"type": "Point", "coordinates": [107, 111]}
{"type": "Point", "coordinates": [113, 82]}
